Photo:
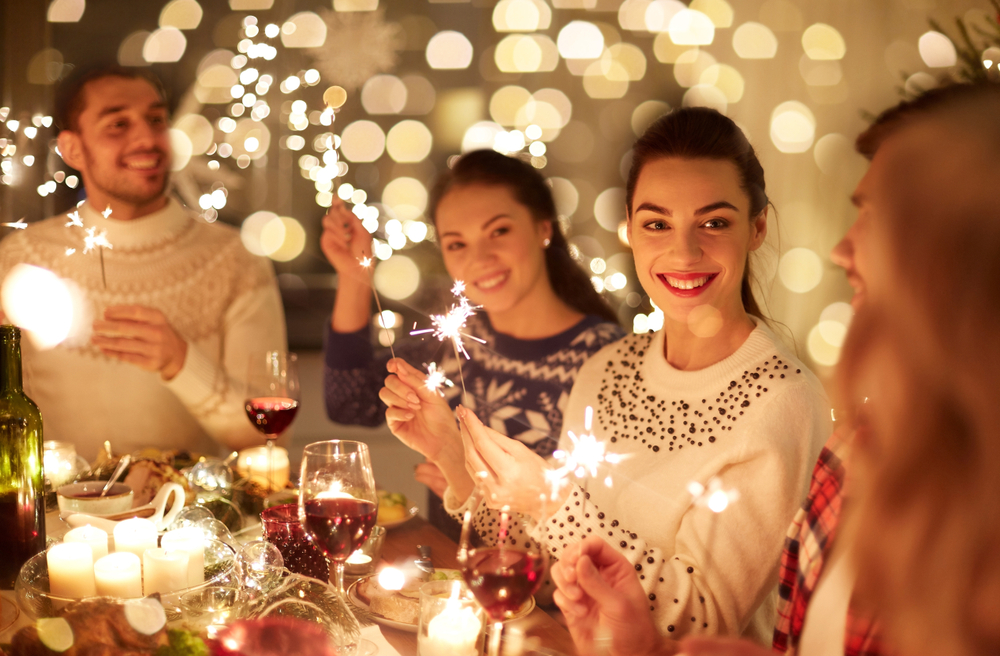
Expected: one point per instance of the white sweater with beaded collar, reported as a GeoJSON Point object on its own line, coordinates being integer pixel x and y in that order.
{"type": "Point", "coordinates": [757, 420]}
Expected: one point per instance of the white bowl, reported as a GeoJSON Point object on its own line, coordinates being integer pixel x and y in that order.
{"type": "Point", "coordinates": [83, 498]}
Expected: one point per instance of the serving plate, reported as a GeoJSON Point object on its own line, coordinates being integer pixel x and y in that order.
{"type": "Point", "coordinates": [354, 598]}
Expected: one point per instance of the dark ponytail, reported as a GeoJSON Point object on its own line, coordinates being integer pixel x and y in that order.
{"type": "Point", "coordinates": [703, 133]}
{"type": "Point", "coordinates": [568, 280]}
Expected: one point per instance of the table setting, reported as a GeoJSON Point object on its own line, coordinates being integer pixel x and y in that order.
{"type": "Point", "coordinates": [177, 553]}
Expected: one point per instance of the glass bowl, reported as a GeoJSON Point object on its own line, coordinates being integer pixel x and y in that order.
{"type": "Point", "coordinates": [34, 598]}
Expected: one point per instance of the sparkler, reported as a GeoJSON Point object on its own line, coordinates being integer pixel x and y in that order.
{"type": "Point", "coordinates": [91, 239]}
{"type": "Point", "coordinates": [367, 264]}
{"type": "Point", "coordinates": [588, 453]}
{"type": "Point", "coordinates": [436, 379]}
{"type": "Point", "coordinates": [449, 326]}
{"type": "Point", "coordinates": [17, 225]}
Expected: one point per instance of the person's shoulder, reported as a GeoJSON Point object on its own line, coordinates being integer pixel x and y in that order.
{"type": "Point", "coordinates": [611, 355]}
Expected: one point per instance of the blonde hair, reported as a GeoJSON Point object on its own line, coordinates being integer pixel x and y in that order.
{"type": "Point", "coordinates": [929, 480]}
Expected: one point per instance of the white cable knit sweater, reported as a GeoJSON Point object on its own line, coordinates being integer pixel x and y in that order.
{"type": "Point", "coordinates": [221, 299]}
{"type": "Point", "coordinates": [756, 419]}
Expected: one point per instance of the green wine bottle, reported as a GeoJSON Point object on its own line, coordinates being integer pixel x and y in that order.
{"type": "Point", "coordinates": [22, 503]}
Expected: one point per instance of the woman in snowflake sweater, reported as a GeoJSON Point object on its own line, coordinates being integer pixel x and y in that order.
{"type": "Point", "coordinates": [541, 319]}
{"type": "Point", "coordinates": [712, 394]}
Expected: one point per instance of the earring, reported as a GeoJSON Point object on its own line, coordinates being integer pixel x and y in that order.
{"type": "Point", "coordinates": [545, 244]}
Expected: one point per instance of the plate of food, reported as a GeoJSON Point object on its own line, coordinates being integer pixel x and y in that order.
{"type": "Point", "coordinates": [394, 509]}
{"type": "Point", "coordinates": [400, 609]}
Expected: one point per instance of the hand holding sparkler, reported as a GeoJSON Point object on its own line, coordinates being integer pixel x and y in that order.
{"type": "Point", "coordinates": [416, 414]}
{"type": "Point", "coordinates": [508, 472]}
{"type": "Point", "coordinates": [586, 456]}
{"type": "Point", "coordinates": [449, 327]}
{"type": "Point", "coordinates": [603, 601]}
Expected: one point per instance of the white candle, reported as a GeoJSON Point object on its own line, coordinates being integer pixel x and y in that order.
{"type": "Point", "coordinates": [192, 541]}
{"type": "Point", "coordinates": [252, 463]}
{"type": "Point", "coordinates": [135, 536]}
{"type": "Point", "coordinates": [71, 570]}
{"type": "Point", "coordinates": [164, 571]}
{"type": "Point", "coordinates": [92, 536]}
{"type": "Point", "coordinates": [119, 575]}
{"type": "Point", "coordinates": [455, 632]}
{"type": "Point", "coordinates": [59, 462]}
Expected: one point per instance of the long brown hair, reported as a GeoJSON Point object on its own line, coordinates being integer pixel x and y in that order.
{"type": "Point", "coordinates": [929, 477]}
{"type": "Point", "coordinates": [703, 133]}
{"type": "Point", "coordinates": [526, 184]}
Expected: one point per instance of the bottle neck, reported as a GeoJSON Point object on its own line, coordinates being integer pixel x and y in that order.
{"type": "Point", "coordinates": [10, 365]}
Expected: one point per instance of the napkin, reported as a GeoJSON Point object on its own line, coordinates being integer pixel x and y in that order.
{"type": "Point", "coordinates": [374, 634]}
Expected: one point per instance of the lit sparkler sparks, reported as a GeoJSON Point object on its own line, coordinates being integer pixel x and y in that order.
{"type": "Point", "coordinates": [17, 225]}
{"type": "Point", "coordinates": [74, 220]}
{"type": "Point", "coordinates": [586, 456]}
{"type": "Point", "coordinates": [107, 212]}
{"type": "Point", "coordinates": [436, 379]}
{"type": "Point", "coordinates": [714, 497]}
{"type": "Point", "coordinates": [93, 240]}
{"type": "Point", "coordinates": [449, 326]}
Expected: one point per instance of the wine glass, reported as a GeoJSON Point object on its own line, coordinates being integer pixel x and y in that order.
{"type": "Point", "coordinates": [337, 502]}
{"type": "Point", "coordinates": [272, 397]}
{"type": "Point", "coordinates": [505, 571]}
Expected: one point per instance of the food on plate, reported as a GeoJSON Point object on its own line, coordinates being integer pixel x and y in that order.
{"type": "Point", "coordinates": [399, 605]}
{"type": "Point", "coordinates": [392, 507]}
{"type": "Point", "coordinates": [96, 627]}
{"type": "Point", "coordinates": [147, 476]}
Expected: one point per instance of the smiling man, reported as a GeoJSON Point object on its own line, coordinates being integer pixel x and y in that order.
{"type": "Point", "coordinates": [180, 305]}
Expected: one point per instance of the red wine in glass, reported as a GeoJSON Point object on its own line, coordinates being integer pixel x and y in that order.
{"type": "Point", "coordinates": [503, 578]}
{"type": "Point", "coordinates": [271, 414]}
{"type": "Point", "coordinates": [339, 526]}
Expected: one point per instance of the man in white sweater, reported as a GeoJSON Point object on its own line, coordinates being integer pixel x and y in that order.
{"type": "Point", "coordinates": [180, 305]}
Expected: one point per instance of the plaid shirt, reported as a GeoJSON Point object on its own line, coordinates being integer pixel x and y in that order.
{"type": "Point", "coordinates": [807, 546]}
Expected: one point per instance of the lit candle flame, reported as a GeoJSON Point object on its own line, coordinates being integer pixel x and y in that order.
{"type": "Point", "coordinates": [391, 578]}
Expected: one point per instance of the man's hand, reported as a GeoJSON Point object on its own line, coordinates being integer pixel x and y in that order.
{"type": "Point", "coordinates": [141, 336]}
{"type": "Point", "coordinates": [602, 600]}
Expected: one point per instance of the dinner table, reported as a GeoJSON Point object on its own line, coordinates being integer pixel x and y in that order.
{"type": "Point", "coordinates": [543, 634]}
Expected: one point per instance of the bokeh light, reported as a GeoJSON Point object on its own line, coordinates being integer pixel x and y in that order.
{"type": "Point", "coordinates": [409, 141]}
{"type": "Point", "coordinates": [823, 42]}
{"type": "Point", "coordinates": [691, 65]}
{"type": "Point", "coordinates": [521, 16]}
{"type": "Point", "coordinates": [580, 40]}
{"type": "Point", "coordinates": [303, 30]}
{"type": "Point", "coordinates": [647, 112]}
{"type": "Point", "coordinates": [726, 79]}
{"type": "Point", "coordinates": [406, 197]}
{"type": "Point", "coordinates": [506, 102]}
{"type": "Point", "coordinates": [659, 13]}
{"type": "Point", "coordinates": [449, 50]}
{"type": "Point", "coordinates": [383, 94]}
{"type": "Point", "coordinates": [397, 278]}
{"type": "Point", "coordinates": [719, 11]}
{"type": "Point", "coordinates": [180, 144]}
{"type": "Point", "coordinates": [362, 141]}
{"type": "Point", "coordinates": [182, 14]}
{"type": "Point", "coordinates": [164, 45]}
{"type": "Point", "coordinates": [800, 270]}
{"type": "Point", "coordinates": [755, 41]}
{"type": "Point", "coordinates": [609, 208]}
{"type": "Point", "coordinates": [691, 28]}
{"type": "Point", "coordinates": [937, 50]}
{"type": "Point", "coordinates": [39, 302]}
{"type": "Point", "coordinates": [793, 127]}
{"type": "Point", "coordinates": [821, 351]}
{"type": "Point", "coordinates": [198, 130]}
{"type": "Point", "coordinates": [705, 95]}
{"type": "Point", "coordinates": [834, 322]}
{"type": "Point", "coordinates": [526, 53]}
{"type": "Point", "coordinates": [66, 11]}
{"type": "Point", "coordinates": [566, 196]}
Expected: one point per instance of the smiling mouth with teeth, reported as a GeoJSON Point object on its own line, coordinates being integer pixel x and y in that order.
{"type": "Point", "coordinates": [686, 284]}
{"type": "Point", "coordinates": [487, 284]}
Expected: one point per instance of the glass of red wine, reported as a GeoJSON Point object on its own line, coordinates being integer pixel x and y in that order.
{"type": "Point", "coordinates": [272, 396]}
{"type": "Point", "coordinates": [337, 502]}
{"type": "Point", "coordinates": [504, 569]}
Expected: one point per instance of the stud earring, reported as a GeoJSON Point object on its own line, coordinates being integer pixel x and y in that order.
{"type": "Point", "coordinates": [545, 244]}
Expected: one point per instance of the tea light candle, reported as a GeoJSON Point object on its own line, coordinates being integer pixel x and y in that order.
{"type": "Point", "coordinates": [119, 575]}
{"type": "Point", "coordinates": [164, 571]}
{"type": "Point", "coordinates": [135, 535]}
{"type": "Point", "coordinates": [192, 541]}
{"type": "Point", "coordinates": [455, 632]}
{"type": "Point", "coordinates": [90, 535]}
{"type": "Point", "coordinates": [71, 570]}
{"type": "Point", "coordinates": [59, 462]}
{"type": "Point", "coordinates": [253, 464]}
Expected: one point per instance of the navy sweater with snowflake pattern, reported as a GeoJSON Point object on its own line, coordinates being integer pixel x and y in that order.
{"type": "Point", "coordinates": [518, 387]}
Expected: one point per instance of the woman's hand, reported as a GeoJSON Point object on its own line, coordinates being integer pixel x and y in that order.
{"type": "Point", "coordinates": [509, 473]}
{"type": "Point", "coordinates": [419, 417]}
{"type": "Point", "coordinates": [345, 241]}
{"type": "Point", "coordinates": [602, 601]}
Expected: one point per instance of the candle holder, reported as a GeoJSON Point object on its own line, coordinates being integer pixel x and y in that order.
{"type": "Point", "coordinates": [451, 620]}
{"type": "Point", "coordinates": [36, 599]}
{"type": "Point", "coordinates": [364, 559]}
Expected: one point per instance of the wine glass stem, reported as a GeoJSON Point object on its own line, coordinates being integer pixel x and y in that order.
{"type": "Point", "coordinates": [337, 575]}
{"type": "Point", "coordinates": [270, 465]}
{"type": "Point", "coordinates": [495, 633]}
